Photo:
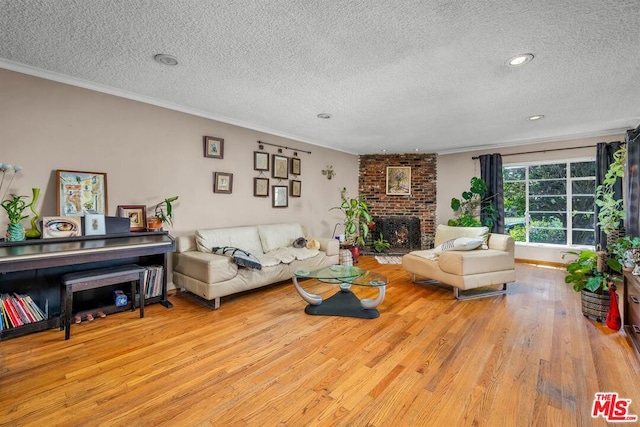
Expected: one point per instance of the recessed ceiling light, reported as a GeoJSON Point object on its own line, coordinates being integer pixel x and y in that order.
{"type": "Point", "coordinates": [416, 149]}
{"type": "Point", "coordinates": [519, 60]}
{"type": "Point", "coordinates": [384, 150]}
{"type": "Point", "coordinates": [536, 117]}
{"type": "Point", "coordinates": [165, 59]}
{"type": "Point", "coordinates": [324, 116]}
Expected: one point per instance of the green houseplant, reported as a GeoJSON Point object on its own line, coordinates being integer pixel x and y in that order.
{"type": "Point", "coordinates": [621, 253]}
{"type": "Point", "coordinates": [471, 204]}
{"type": "Point", "coordinates": [15, 206]}
{"type": "Point", "coordinates": [587, 275]}
{"type": "Point", "coordinates": [356, 217]}
{"type": "Point", "coordinates": [163, 214]}
{"type": "Point", "coordinates": [611, 211]}
{"type": "Point", "coordinates": [380, 244]}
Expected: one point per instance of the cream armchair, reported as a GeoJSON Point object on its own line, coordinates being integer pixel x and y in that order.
{"type": "Point", "coordinates": [492, 263]}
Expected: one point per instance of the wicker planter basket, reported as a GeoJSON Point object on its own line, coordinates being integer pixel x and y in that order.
{"type": "Point", "coordinates": [595, 306]}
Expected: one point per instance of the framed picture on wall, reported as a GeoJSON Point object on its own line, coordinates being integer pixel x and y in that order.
{"type": "Point", "coordinates": [79, 193]}
{"type": "Point", "coordinates": [260, 161]}
{"type": "Point", "coordinates": [222, 182]}
{"type": "Point", "coordinates": [296, 187]}
{"type": "Point", "coordinates": [261, 187]}
{"type": "Point", "coordinates": [399, 180]}
{"type": "Point", "coordinates": [295, 166]}
{"type": "Point", "coordinates": [280, 196]}
{"type": "Point", "coordinates": [280, 166]}
{"type": "Point", "coordinates": [213, 147]}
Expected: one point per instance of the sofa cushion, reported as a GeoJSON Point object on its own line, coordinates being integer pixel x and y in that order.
{"type": "Point", "coordinates": [475, 262]}
{"type": "Point", "coordinates": [445, 233]}
{"type": "Point", "coordinates": [459, 244]}
{"type": "Point", "coordinates": [245, 238]}
{"type": "Point", "coordinates": [274, 236]}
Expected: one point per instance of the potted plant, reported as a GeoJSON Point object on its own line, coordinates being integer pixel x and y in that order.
{"type": "Point", "coordinates": [621, 253]}
{"type": "Point", "coordinates": [471, 204]}
{"type": "Point", "coordinates": [15, 207]}
{"type": "Point", "coordinates": [356, 217]}
{"type": "Point", "coordinates": [587, 275]}
{"type": "Point", "coordinates": [611, 211]}
{"type": "Point", "coordinates": [380, 244]}
{"type": "Point", "coordinates": [163, 214]}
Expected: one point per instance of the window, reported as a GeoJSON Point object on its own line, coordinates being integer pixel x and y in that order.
{"type": "Point", "coordinates": [551, 203]}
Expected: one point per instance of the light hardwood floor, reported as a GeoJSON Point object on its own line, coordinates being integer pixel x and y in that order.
{"type": "Point", "coordinates": [529, 358]}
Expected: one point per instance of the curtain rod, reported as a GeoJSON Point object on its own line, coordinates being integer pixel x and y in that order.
{"type": "Point", "coordinates": [282, 146]}
{"type": "Point", "coordinates": [542, 151]}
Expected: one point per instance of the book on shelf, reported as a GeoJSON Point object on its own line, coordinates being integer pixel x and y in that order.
{"type": "Point", "coordinates": [155, 277]}
{"type": "Point", "coordinates": [19, 310]}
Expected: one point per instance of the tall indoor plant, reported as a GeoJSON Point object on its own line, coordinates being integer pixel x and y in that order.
{"type": "Point", "coordinates": [356, 217]}
{"type": "Point", "coordinates": [471, 204]}
{"type": "Point", "coordinates": [611, 210]}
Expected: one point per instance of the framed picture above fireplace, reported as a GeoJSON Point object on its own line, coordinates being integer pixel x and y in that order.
{"type": "Point", "coordinates": [399, 180]}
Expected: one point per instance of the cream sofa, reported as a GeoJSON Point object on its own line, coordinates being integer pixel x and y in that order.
{"type": "Point", "coordinates": [211, 276]}
{"type": "Point", "coordinates": [493, 263]}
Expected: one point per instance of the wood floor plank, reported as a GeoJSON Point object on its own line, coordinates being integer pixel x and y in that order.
{"type": "Point", "coordinates": [528, 358]}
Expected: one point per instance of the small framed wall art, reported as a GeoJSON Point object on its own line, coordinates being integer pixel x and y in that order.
{"type": "Point", "coordinates": [79, 193]}
{"type": "Point", "coordinates": [280, 196]}
{"type": "Point", "coordinates": [280, 166]}
{"type": "Point", "coordinates": [296, 187]}
{"type": "Point", "coordinates": [260, 161]}
{"type": "Point", "coordinates": [61, 226]}
{"type": "Point", "coordinates": [137, 215]}
{"type": "Point", "coordinates": [399, 180]}
{"type": "Point", "coordinates": [222, 182]}
{"type": "Point", "coordinates": [213, 147]}
{"type": "Point", "coordinates": [295, 166]}
{"type": "Point", "coordinates": [261, 187]}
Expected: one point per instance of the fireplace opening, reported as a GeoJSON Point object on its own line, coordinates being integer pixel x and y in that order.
{"type": "Point", "coordinates": [402, 232]}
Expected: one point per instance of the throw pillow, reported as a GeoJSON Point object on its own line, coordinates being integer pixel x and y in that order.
{"type": "Point", "coordinates": [239, 257]}
{"type": "Point", "coordinates": [313, 244]}
{"type": "Point", "coordinates": [459, 244]}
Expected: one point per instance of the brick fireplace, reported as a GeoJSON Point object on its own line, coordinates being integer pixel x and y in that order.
{"type": "Point", "coordinates": [417, 209]}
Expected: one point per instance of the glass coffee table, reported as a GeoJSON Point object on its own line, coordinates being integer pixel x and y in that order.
{"type": "Point", "coordinates": [344, 302]}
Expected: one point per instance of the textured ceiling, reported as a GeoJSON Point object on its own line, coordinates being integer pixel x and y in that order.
{"type": "Point", "coordinates": [398, 75]}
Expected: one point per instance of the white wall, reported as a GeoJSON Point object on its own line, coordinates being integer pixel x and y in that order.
{"type": "Point", "coordinates": [456, 170]}
{"type": "Point", "coordinates": [150, 153]}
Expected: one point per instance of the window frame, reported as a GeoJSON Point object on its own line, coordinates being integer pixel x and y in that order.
{"type": "Point", "coordinates": [569, 180]}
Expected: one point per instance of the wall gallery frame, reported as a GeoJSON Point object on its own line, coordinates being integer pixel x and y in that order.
{"type": "Point", "coordinates": [261, 187]}
{"type": "Point", "coordinates": [295, 166]}
{"type": "Point", "coordinates": [280, 166]}
{"type": "Point", "coordinates": [222, 182]}
{"type": "Point", "coordinates": [213, 147]}
{"type": "Point", "coordinates": [80, 192]}
{"type": "Point", "coordinates": [280, 196]}
{"type": "Point", "coordinates": [137, 215]}
{"type": "Point", "coordinates": [399, 180]}
{"type": "Point", "coordinates": [296, 187]}
{"type": "Point", "coordinates": [260, 161]}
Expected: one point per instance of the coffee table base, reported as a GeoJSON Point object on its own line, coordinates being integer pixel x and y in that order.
{"type": "Point", "coordinates": [344, 304]}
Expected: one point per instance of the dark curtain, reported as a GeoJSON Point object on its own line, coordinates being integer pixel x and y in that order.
{"type": "Point", "coordinates": [491, 173]}
{"type": "Point", "coordinates": [604, 158]}
{"type": "Point", "coordinates": [632, 222]}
